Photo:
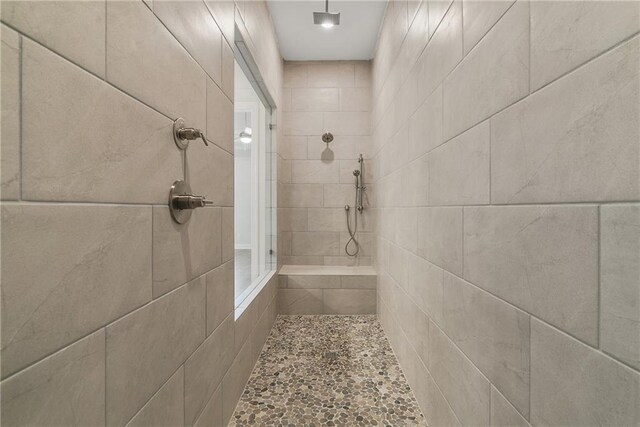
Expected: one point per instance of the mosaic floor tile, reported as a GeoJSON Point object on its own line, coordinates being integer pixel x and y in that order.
{"type": "Point", "coordinates": [327, 371]}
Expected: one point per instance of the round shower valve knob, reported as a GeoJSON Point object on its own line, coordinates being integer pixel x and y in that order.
{"type": "Point", "coordinates": [327, 137]}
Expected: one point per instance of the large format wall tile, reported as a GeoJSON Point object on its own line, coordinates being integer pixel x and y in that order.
{"type": "Point", "coordinates": [479, 17]}
{"type": "Point", "coordinates": [301, 195]}
{"type": "Point", "coordinates": [503, 414]}
{"type": "Point", "coordinates": [347, 123]}
{"type": "Point", "coordinates": [459, 169]}
{"type": "Point", "coordinates": [212, 413]}
{"type": "Point", "coordinates": [406, 230]}
{"type": "Point", "coordinates": [462, 384]}
{"type": "Point", "coordinates": [10, 121]}
{"type": "Point", "coordinates": [543, 259]}
{"type": "Point", "coordinates": [349, 301]}
{"type": "Point", "coordinates": [443, 52]}
{"type": "Point", "coordinates": [92, 261]}
{"type": "Point", "coordinates": [118, 150]}
{"type": "Point", "coordinates": [220, 294]}
{"type": "Point", "coordinates": [295, 74]}
{"type": "Point", "coordinates": [302, 123]}
{"type": "Point", "coordinates": [228, 69]}
{"type": "Point", "coordinates": [172, 82]}
{"type": "Point", "coordinates": [355, 99]}
{"type": "Point", "coordinates": [315, 172]}
{"type": "Point", "coordinates": [66, 388]}
{"type": "Point", "coordinates": [595, 26]}
{"type": "Point", "coordinates": [315, 243]}
{"type": "Point", "coordinates": [331, 74]}
{"type": "Point", "coordinates": [300, 301]}
{"type": "Point", "coordinates": [425, 126]}
{"type": "Point", "coordinates": [210, 173]}
{"type": "Point", "coordinates": [293, 147]}
{"type": "Point", "coordinates": [425, 286]}
{"type": "Point", "coordinates": [193, 25]}
{"type": "Point", "coordinates": [322, 219]}
{"type": "Point", "coordinates": [413, 321]}
{"type": "Point", "coordinates": [76, 30]}
{"type": "Point", "coordinates": [235, 380]}
{"type": "Point", "coordinates": [573, 384]}
{"type": "Point", "coordinates": [435, 407]}
{"type": "Point", "coordinates": [493, 334]}
{"type": "Point", "coordinates": [619, 284]}
{"type": "Point", "coordinates": [182, 252]}
{"type": "Point", "coordinates": [575, 140]}
{"type": "Point", "coordinates": [315, 99]}
{"type": "Point", "coordinates": [415, 182]}
{"type": "Point", "coordinates": [219, 117]}
{"type": "Point", "coordinates": [492, 76]}
{"type": "Point", "coordinates": [146, 347]}
{"type": "Point", "coordinates": [227, 234]}
{"type": "Point", "coordinates": [223, 12]}
{"type": "Point", "coordinates": [440, 237]}
{"type": "Point", "coordinates": [205, 369]}
{"type": "Point", "coordinates": [166, 407]}
{"type": "Point", "coordinates": [313, 282]}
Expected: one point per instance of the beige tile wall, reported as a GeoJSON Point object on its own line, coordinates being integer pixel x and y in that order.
{"type": "Point", "coordinates": [112, 314]}
{"type": "Point", "coordinates": [327, 294]}
{"type": "Point", "coordinates": [507, 136]}
{"type": "Point", "coordinates": [316, 181]}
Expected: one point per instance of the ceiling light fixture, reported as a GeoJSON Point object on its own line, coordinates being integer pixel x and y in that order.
{"type": "Point", "coordinates": [326, 18]}
{"type": "Point", "coordinates": [246, 135]}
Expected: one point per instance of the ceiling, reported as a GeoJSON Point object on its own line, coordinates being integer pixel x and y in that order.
{"type": "Point", "coordinates": [301, 40]}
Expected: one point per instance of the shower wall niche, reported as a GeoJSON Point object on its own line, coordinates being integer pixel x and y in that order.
{"type": "Point", "coordinates": [316, 179]}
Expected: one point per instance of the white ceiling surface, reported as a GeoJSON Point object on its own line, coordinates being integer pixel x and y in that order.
{"type": "Point", "coordinates": [301, 40]}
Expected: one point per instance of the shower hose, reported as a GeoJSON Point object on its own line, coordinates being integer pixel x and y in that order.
{"type": "Point", "coordinates": [353, 232]}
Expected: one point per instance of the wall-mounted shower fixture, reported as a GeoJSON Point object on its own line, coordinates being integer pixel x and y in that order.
{"type": "Point", "coordinates": [182, 135]}
{"type": "Point", "coordinates": [182, 202]}
{"type": "Point", "coordinates": [359, 206]}
{"type": "Point", "coordinates": [327, 137]}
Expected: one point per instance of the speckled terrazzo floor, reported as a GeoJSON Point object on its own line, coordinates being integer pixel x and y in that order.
{"type": "Point", "coordinates": [293, 384]}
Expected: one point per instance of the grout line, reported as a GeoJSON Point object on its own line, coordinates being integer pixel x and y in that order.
{"type": "Point", "coordinates": [453, 342]}
{"type": "Point", "coordinates": [80, 203]}
{"type": "Point", "coordinates": [530, 356]}
{"type": "Point", "coordinates": [529, 68]}
{"type": "Point", "coordinates": [530, 92]}
{"type": "Point", "coordinates": [531, 315]}
{"type": "Point", "coordinates": [184, 391]}
{"type": "Point", "coordinates": [20, 115]}
{"type": "Point", "coordinates": [156, 393]}
{"type": "Point", "coordinates": [598, 274]}
{"type": "Point", "coordinates": [109, 323]}
{"type": "Point", "coordinates": [491, 387]}
{"type": "Point", "coordinates": [106, 16]}
{"type": "Point", "coordinates": [111, 84]}
{"type": "Point", "coordinates": [105, 375]}
{"type": "Point", "coordinates": [587, 62]}
{"type": "Point", "coordinates": [393, 318]}
{"type": "Point", "coordinates": [490, 176]}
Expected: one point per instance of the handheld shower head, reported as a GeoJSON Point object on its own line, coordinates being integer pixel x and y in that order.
{"type": "Point", "coordinates": [356, 172]}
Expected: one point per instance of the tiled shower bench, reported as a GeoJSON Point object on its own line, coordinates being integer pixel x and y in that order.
{"type": "Point", "coordinates": [325, 289]}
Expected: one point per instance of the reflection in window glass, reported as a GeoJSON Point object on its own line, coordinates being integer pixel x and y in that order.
{"type": "Point", "coordinates": [254, 188]}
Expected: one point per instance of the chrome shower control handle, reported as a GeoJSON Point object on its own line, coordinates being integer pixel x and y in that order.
{"type": "Point", "coordinates": [191, 134]}
{"type": "Point", "coordinates": [190, 201]}
{"type": "Point", "coordinates": [182, 135]}
{"type": "Point", "coordinates": [182, 202]}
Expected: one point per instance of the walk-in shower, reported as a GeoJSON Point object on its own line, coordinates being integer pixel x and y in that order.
{"type": "Point", "coordinates": [358, 208]}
